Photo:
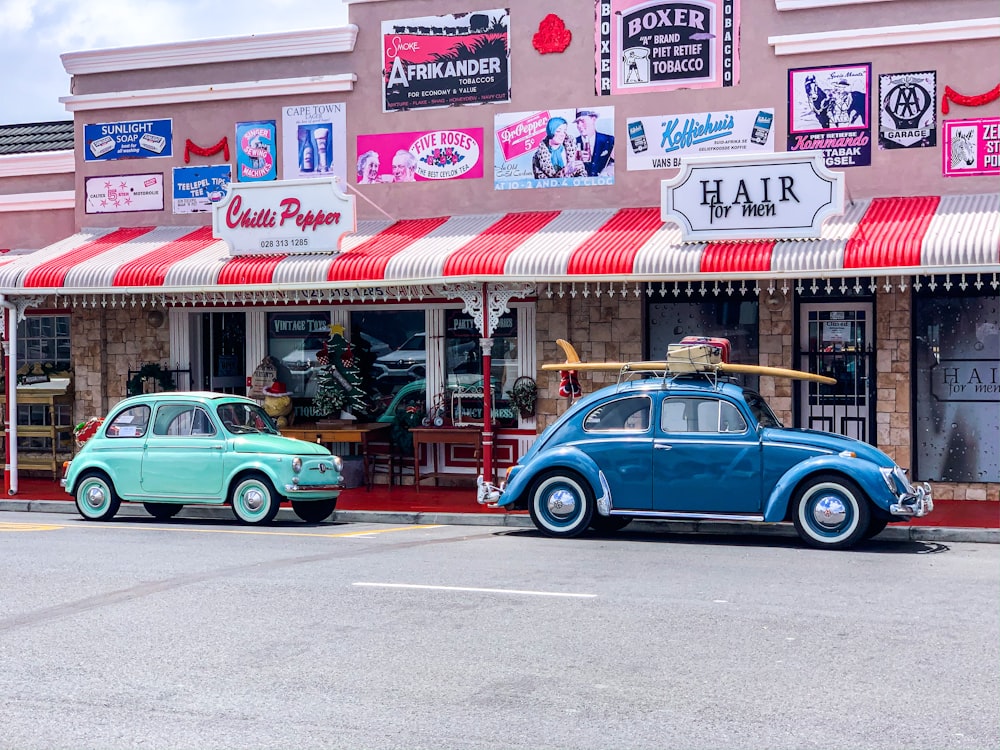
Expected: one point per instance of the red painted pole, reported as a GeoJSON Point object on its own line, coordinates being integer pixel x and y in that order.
{"type": "Point", "coordinates": [487, 345]}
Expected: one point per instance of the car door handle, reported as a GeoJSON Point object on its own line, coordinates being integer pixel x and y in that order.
{"type": "Point", "coordinates": [663, 447]}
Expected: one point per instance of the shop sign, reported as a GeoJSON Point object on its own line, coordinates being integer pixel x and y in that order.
{"type": "Point", "coordinates": [661, 141]}
{"type": "Point", "coordinates": [647, 47]}
{"type": "Point", "coordinates": [256, 151]}
{"type": "Point", "coordinates": [197, 189]}
{"type": "Point", "coordinates": [122, 193]}
{"type": "Point", "coordinates": [907, 106]}
{"type": "Point", "coordinates": [971, 147]}
{"type": "Point", "coordinates": [284, 218]}
{"type": "Point", "coordinates": [751, 196]}
{"type": "Point", "coordinates": [135, 139]}
{"type": "Point", "coordinates": [420, 156]}
{"type": "Point", "coordinates": [314, 141]}
{"type": "Point", "coordinates": [829, 111]}
{"type": "Point", "coordinates": [444, 61]}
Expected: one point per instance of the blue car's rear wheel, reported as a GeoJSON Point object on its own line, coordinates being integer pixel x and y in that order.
{"type": "Point", "coordinates": [96, 498]}
{"type": "Point", "coordinates": [831, 512]}
{"type": "Point", "coordinates": [562, 503]}
{"type": "Point", "coordinates": [254, 499]}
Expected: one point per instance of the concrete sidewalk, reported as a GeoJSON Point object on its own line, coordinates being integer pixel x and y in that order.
{"type": "Point", "coordinates": [522, 520]}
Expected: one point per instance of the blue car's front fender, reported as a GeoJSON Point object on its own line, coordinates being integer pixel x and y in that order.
{"type": "Point", "coordinates": [564, 457]}
{"type": "Point", "coordinates": [863, 472]}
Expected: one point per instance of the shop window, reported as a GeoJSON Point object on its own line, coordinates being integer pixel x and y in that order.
{"type": "Point", "coordinates": [464, 371]}
{"type": "Point", "coordinates": [294, 342]}
{"type": "Point", "coordinates": [956, 384]}
{"type": "Point", "coordinates": [391, 348]}
{"type": "Point", "coordinates": [44, 340]}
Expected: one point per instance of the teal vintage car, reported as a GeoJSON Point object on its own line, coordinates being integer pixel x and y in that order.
{"type": "Point", "coordinates": [699, 447]}
{"type": "Point", "coordinates": [168, 450]}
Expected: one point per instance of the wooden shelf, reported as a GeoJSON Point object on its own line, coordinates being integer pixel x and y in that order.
{"type": "Point", "coordinates": [50, 439]}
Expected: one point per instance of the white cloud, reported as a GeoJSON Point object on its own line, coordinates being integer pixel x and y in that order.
{"type": "Point", "coordinates": [34, 33]}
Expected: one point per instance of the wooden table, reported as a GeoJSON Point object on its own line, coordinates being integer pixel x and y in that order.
{"type": "Point", "coordinates": [443, 436]}
{"type": "Point", "coordinates": [358, 434]}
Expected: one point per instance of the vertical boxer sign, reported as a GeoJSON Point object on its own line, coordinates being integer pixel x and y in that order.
{"type": "Point", "coordinates": [663, 46]}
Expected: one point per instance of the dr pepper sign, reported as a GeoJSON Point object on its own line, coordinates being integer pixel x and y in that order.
{"type": "Point", "coordinates": [284, 218]}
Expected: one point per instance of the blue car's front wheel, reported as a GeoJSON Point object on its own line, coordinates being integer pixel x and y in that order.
{"type": "Point", "coordinates": [831, 512]}
{"type": "Point", "coordinates": [562, 503]}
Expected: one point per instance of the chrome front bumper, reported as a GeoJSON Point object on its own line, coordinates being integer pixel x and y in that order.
{"type": "Point", "coordinates": [297, 488]}
{"type": "Point", "coordinates": [916, 503]}
{"type": "Point", "coordinates": [488, 493]}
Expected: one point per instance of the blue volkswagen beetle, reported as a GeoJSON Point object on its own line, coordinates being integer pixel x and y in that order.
{"type": "Point", "coordinates": [168, 450]}
{"type": "Point", "coordinates": [700, 447]}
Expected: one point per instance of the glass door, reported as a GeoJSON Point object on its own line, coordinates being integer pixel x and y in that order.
{"type": "Point", "coordinates": [222, 352]}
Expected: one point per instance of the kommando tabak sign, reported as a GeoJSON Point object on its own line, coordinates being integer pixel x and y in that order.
{"type": "Point", "coordinates": [444, 61]}
{"type": "Point", "coordinates": [750, 196]}
{"type": "Point", "coordinates": [284, 218]}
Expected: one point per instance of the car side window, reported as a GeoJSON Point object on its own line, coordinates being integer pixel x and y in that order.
{"type": "Point", "coordinates": [624, 414]}
{"type": "Point", "coordinates": [183, 419]}
{"type": "Point", "coordinates": [131, 423]}
{"type": "Point", "coordinates": [702, 415]}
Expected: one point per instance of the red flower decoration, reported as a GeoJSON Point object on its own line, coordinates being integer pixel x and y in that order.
{"type": "Point", "coordinates": [552, 35]}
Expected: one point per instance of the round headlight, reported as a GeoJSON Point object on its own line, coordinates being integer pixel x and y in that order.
{"type": "Point", "coordinates": [337, 463]}
{"type": "Point", "coordinates": [296, 464]}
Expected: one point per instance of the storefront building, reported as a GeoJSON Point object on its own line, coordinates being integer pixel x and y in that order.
{"type": "Point", "coordinates": [509, 233]}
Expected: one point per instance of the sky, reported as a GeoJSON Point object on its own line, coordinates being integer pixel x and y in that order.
{"type": "Point", "coordinates": [34, 33]}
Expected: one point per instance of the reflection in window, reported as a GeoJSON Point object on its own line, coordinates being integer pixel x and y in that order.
{"type": "Point", "coordinates": [391, 348]}
{"type": "Point", "coordinates": [130, 423]}
{"type": "Point", "coordinates": [702, 415]}
{"type": "Point", "coordinates": [463, 368]}
{"type": "Point", "coordinates": [44, 339]}
{"type": "Point", "coordinates": [181, 420]}
{"type": "Point", "coordinates": [624, 414]}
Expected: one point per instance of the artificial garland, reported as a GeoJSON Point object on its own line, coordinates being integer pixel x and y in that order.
{"type": "Point", "coordinates": [190, 148]}
{"type": "Point", "coordinates": [152, 370]}
{"type": "Point", "coordinates": [523, 395]}
{"type": "Point", "coordinates": [975, 100]}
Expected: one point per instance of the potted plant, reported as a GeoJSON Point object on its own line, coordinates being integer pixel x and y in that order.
{"type": "Point", "coordinates": [523, 395]}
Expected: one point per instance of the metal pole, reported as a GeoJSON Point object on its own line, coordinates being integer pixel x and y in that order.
{"type": "Point", "coordinates": [487, 346]}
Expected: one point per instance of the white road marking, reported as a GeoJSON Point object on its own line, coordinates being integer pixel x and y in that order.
{"type": "Point", "coordinates": [474, 590]}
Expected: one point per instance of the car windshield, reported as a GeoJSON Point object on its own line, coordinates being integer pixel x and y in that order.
{"type": "Point", "coordinates": [240, 419]}
{"type": "Point", "coordinates": [761, 411]}
{"type": "Point", "coordinates": [412, 344]}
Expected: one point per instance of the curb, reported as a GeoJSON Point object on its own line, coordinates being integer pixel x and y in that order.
{"type": "Point", "coordinates": [898, 533]}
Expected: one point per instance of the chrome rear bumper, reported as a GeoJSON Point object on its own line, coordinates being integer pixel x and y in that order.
{"type": "Point", "coordinates": [914, 504]}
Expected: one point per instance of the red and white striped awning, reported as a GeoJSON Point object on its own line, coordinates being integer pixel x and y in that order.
{"type": "Point", "coordinates": [883, 236]}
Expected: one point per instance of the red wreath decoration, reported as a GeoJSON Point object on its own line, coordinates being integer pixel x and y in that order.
{"type": "Point", "coordinates": [976, 100]}
{"type": "Point", "coordinates": [191, 148]}
{"type": "Point", "coordinates": [552, 35]}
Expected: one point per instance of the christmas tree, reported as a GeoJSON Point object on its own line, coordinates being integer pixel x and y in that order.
{"type": "Point", "coordinates": [338, 383]}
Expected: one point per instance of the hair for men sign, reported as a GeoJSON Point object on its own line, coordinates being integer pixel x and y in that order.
{"type": "Point", "coordinates": [752, 196]}
{"type": "Point", "coordinates": [645, 47]}
{"type": "Point", "coordinates": [284, 218]}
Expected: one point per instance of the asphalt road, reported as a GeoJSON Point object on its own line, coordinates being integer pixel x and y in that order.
{"type": "Point", "coordinates": [204, 634]}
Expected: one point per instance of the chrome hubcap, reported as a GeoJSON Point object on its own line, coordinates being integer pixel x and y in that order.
{"type": "Point", "coordinates": [562, 503]}
{"type": "Point", "coordinates": [829, 512]}
{"type": "Point", "coordinates": [253, 500]}
{"type": "Point", "coordinates": [95, 496]}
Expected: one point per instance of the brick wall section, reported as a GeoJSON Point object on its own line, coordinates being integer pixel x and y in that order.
{"type": "Point", "coordinates": [776, 347]}
{"type": "Point", "coordinates": [106, 343]}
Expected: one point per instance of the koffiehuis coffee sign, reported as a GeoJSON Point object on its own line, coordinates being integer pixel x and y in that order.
{"type": "Point", "coordinates": [293, 216]}
{"type": "Point", "coordinates": [751, 196]}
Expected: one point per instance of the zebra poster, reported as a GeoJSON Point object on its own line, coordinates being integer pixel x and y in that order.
{"type": "Point", "coordinates": [907, 103]}
{"type": "Point", "coordinates": [971, 147]}
{"type": "Point", "coordinates": [829, 110]}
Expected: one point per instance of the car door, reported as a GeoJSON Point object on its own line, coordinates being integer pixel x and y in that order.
{"type": "Point", "coordinates": [618, 437]}
{"type": "Point", "coordinates": [123, 446]}
{"type": "Point", "coordinates": [184, 455]}
{"type": "Point", "coordinates": [706, 457]}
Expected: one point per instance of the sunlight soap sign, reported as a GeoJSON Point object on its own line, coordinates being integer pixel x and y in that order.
{"type": "Point", "coordinates": [444, 61]}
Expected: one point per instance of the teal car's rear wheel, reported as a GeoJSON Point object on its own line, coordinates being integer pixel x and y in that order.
{"type": "Point", "coordinates": [831, 512]}
{"type": "Point", "coordinates": [96, 499]}
{"type": "Point", "coordinates": [562, 503]}
{"type": "Point", "coordinates": [314, 511]}
{"type": "Point", "coordinates": [162, 511]}
{"type": "Point", "coordinates": [254, 499]}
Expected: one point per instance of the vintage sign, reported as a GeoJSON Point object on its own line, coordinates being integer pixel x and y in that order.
{"type": "Point", "coordinates": [750, 196]}
{"type": "Point", "coordinates": [256, 151]}
{"type": "Point", "coordinates": [314, 141]}
{"type": "Point", "coordinates": [554, 148]}
{"type": "Point", "coordinates": [660, 142]}
{"type": "Point", "coordinates": [444, 61]}
{"type": "Point", "coordinates": [645, 47]}
{"type": "Point", "coordinates": [122, 193]}
{"type": "Point", "coordinates": [135, 139]}
{"type": "Point", "coordinates": [197, 189]}
{"type": "Point", "coordinates": [420, 156]}
{"type": "Point", "coordinates": [906, 112]}
{"type": "Point", "coordinates": [284, 218]}
{"type": "Point", "coordinates": [828, 111]}
{"type": "Point", "coordinates": [971, 147]}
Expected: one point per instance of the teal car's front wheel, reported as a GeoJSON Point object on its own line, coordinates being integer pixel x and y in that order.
{"type": "Point", "coordinates": [96, 499]}
{"type": "Point", "coordinates": [254, 499]}
{"type": "Point", "coordinates": [562, 503]}
{"type": "Point", "coordinates": [831, 512]}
